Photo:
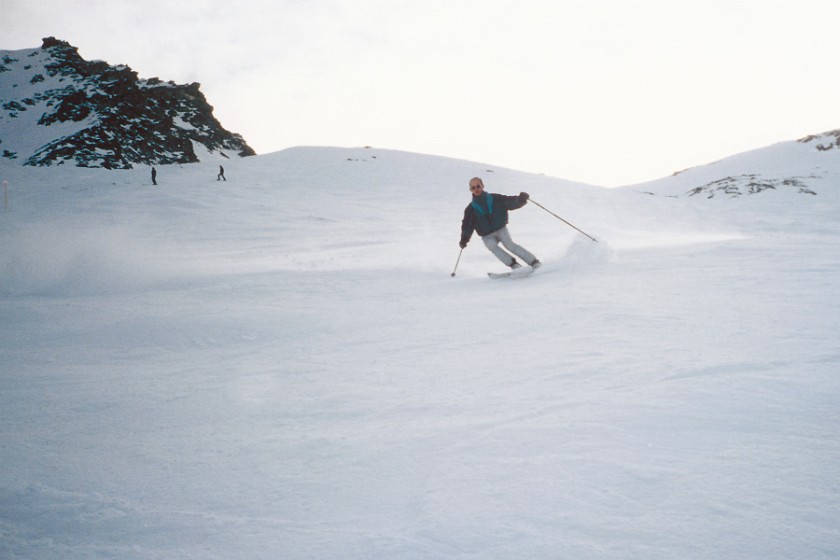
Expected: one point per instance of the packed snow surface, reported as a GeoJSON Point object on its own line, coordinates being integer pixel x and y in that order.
{"type": "Point", "coordinates": [282, 366]}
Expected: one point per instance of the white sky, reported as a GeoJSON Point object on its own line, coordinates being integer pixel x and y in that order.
{"type": "Point", "coordinates": [608, 92]}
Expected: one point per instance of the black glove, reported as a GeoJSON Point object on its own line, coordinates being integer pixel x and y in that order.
{"type": "Point", "coordinates": [462, 244]}
{"type": "Point", "coordinates": [523, 196]}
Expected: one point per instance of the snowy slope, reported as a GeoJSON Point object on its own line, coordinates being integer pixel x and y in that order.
{"type": "Point", "coordinates": [280, 366]}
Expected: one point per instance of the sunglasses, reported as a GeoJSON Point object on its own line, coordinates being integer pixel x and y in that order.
{"type": "Point", "coordinates": [475, 187]}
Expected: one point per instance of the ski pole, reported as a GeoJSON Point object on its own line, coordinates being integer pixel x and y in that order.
{"type": "Point", "coordinates": [456, 262]}
{"type": "Point", "coordinates": [562, 220]}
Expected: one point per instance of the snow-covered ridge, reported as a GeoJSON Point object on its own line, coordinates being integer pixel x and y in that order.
{"type": "Point", "coordinates": [56, 107]}
{"type": "Point", "coordinates": [808, 166]}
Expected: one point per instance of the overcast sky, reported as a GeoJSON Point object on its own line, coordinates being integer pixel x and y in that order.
{"type": "Point", "coordinates": [608, 92]}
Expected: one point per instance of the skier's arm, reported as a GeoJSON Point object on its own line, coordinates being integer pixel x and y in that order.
{"type": "Point", "coordinates": [514, 202]}
{"type": "Point", "coordinates": [467, 226]}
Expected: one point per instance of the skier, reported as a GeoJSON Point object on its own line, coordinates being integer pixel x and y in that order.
{"type": "Point", "coordinates": [487, 215]}
{"type": "Point", "coordinates": [221, 175]}
{"type": "Point", "coordinates": [154, 176]}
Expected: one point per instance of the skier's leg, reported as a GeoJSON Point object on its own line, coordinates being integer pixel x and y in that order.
{"type": "Point", "coordinates": [491, 241]}
{"type": "Point", "coordinates": [503, 235]}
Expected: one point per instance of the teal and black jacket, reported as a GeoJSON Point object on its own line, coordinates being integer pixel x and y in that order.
{"type": "Point", "coordinates": [488, 212]}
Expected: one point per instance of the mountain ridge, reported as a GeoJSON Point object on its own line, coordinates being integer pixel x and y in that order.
{"type": "Point", "coordinates": [56, 108]}
{"type": "Point", "coordinates": [809, 165]}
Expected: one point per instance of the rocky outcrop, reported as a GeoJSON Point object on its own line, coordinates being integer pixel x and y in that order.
{"type": "Point", "coordinates": [825, 141]}
{"type": "Point", "coordinates": [750, 184]}
{"type": "Point", "coordinates": [56, 107]}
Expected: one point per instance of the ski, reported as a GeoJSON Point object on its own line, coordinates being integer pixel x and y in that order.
{"type": "Point", "coordinates": [518, 273]}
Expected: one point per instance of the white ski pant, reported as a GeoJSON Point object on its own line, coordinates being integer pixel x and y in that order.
{"type": "Point", "coordinates": [492, 240]}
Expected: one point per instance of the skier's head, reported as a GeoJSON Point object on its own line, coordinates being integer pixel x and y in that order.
{"type": "Point", "coordinates": [476, 186]}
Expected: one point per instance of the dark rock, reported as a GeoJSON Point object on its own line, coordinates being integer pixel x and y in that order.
{"type": "Point", "coordinates": [123, 120]}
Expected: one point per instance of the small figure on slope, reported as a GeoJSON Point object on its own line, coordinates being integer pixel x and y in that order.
{"type": "Point", "coordinates": [487, 215]}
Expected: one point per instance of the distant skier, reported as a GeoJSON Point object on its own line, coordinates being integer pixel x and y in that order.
{"type": "Point", "coordinates": [221, 175]}
{"type": "Point", "coordinates": [154, 176]}
{"type": "Point", "coordinates": [487, 215]}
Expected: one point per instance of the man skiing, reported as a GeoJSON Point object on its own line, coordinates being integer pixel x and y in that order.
{"type": "Point", "coordinates": [487, 215]}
